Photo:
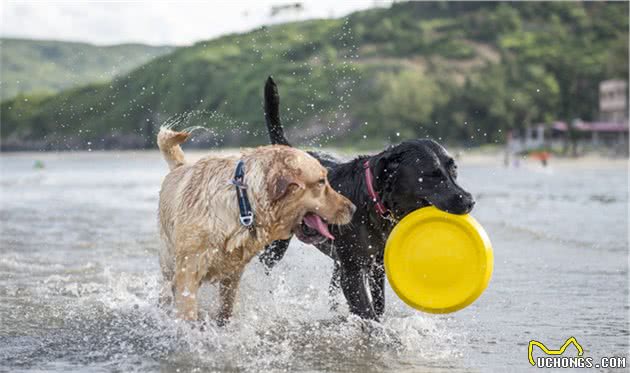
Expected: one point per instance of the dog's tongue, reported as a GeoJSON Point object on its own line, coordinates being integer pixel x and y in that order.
{"type": "Point", "coordinates": [315, 222]}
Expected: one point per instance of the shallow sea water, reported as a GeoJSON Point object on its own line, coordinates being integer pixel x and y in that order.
{"type": "Point", "coordinates": [79, 279]}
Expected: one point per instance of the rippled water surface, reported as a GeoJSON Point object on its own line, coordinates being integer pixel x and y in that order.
{"type": "Point", "coordinates": [79, 279]}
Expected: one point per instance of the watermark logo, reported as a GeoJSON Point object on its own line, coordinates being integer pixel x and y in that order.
{"type": "Point", "coordinates": [560, 351]}
{"type": "Point", "coordinates": [555, 358]}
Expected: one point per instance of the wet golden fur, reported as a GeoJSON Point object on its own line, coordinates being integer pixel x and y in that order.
{"type": "Point", "coordinates": [203, 239]}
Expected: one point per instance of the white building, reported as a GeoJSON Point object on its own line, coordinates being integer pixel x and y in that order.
{"type": "Point", "coordinates": [613, 101]}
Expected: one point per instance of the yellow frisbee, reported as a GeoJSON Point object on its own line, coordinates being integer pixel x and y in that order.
{"type": "Point", "coordinates": [438, 262]}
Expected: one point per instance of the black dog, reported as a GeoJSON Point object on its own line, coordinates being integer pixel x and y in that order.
{"type": "Point", "coordinates": [384, 187]}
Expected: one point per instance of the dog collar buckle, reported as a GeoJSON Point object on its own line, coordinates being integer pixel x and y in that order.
{"type": "Point", "coordinates": [247, 220]}
{"type": "Point", "coordinates": [246, 215]}
{"type": "Point", "coordinates": [238, 183]}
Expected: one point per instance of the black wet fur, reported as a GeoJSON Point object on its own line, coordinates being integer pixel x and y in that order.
{"type": "Point", "coordinates": [407, 176]}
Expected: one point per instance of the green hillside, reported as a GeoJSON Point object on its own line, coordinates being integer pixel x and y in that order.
{"type": "Point", "coordinates": [32, 66]}
{"type": "Point", "coordinates": [459, 71]}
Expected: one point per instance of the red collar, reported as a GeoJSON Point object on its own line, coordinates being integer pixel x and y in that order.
{"type": "Point", "coordinates": [378, 205]}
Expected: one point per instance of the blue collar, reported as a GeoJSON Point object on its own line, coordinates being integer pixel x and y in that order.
{"type": "Point", "coordinates": [246, 215]}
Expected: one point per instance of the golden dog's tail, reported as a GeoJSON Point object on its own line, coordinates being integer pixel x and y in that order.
{"type": "Point", "coordinates": [168, 142]}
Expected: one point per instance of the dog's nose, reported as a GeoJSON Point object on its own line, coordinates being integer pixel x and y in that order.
{"type": "Point", "coordinates": [467, 202]}
{"type": "Point", "coordinates": [470, 205]}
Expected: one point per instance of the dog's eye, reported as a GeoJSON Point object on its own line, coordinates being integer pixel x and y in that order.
{"type": "Point", "coordinates": [321, 182]}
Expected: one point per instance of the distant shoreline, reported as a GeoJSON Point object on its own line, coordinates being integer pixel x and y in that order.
{"type": "Point", "coordinates": [464, 158]}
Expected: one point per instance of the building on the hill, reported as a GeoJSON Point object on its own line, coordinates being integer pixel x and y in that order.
{"type": "Point", "coordinates": [613, 101]}
{"type": "Point", "coordinates": [608, 135]}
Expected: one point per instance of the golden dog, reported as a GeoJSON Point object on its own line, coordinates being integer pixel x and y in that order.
{"type": "Point", "coordinates": [199, 215]}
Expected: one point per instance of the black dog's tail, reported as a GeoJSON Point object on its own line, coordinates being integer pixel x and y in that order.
{"type": "Point", "coordinates": [272, 114]}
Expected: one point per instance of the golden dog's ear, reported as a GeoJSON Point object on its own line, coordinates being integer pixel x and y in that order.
{"type": "Point", "coordinates": [281, 184]}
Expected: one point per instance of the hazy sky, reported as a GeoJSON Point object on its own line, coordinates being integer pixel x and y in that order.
{"type": "Point", "coordinates": [154, 22]}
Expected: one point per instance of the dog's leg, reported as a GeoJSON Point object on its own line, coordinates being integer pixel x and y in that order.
{"type": "Point", "coordinates": [166, 293]}
{"type": "Point", "coordinates": [333, 288]}
{"type": "Point", "coordinates": [377, 286]}
{"type": "Point", "coordinates": [273, 253]}
{"type": "Point", "coordinates": [167, 265]}
{"type": "Point", "coordinates": [227, 292]}
{"type": "Point", "coordinates": [185, 285]}
{"type": "Point", "coordinates": [166, 286]}
{"type": "Point", "coordinates": [355, 286]}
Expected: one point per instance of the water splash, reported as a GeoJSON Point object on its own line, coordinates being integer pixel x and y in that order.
{"type": "Point", "coordinates": [100, 316]}
{"type": "Point", "coordinates": [215, 126]}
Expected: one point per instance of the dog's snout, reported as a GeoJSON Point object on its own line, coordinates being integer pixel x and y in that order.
{"type": "Point", "coordinates": [468, 202]}
{"type": "Point", "coordinates": [339, 209]}
{"type": "Point", "coordinates": [352, 208]}
{"type": "Point", "coordinates": [346, 210]}
{"type": "Point", "coordinates": [471, 204]}
{"type": "Point", "coordinates": [460, 203]}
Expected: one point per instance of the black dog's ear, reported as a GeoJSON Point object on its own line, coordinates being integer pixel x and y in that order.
{"type": "Point", "coordinates": [386, 165]}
